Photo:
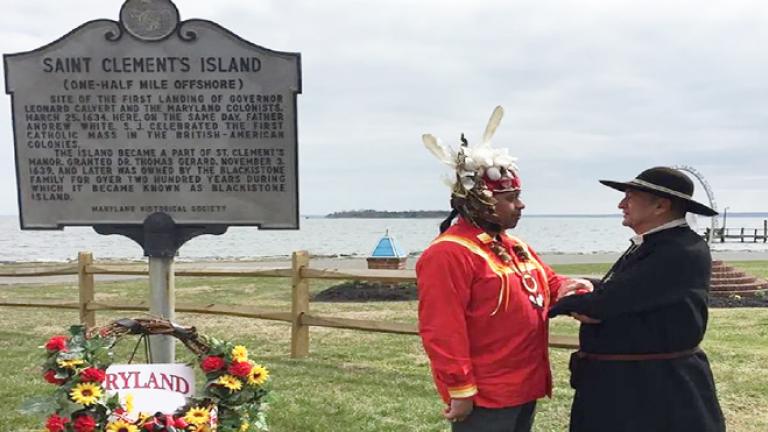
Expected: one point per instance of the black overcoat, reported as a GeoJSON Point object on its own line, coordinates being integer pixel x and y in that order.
{"type": "Point", "coordinates": [654, 300]}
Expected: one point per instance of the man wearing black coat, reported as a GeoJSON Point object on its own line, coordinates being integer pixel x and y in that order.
{"type": "Point", "coordinates": [640, 367]}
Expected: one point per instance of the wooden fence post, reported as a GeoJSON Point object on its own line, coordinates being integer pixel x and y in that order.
{"type": "Point", "coordinates": [299, 305]}
{"type": "Point", "coordinates": [86, 289]}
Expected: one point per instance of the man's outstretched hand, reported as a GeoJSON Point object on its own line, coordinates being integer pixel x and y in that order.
{"type": "Point", "coordinates": [459, 409]}
{"type": "Point", "coordinates": [575, 286]}
{"type": "Point", "coordinates": [585, 319]}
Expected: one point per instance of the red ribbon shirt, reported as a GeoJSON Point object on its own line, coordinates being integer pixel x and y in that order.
{"type": "Point", "coordinates": [484, 336]}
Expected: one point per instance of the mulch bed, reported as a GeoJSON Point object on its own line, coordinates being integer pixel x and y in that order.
{"type": "Point", "coordinates": [359, 291]}
{"type": "Point", "coordinates": [735, 302]}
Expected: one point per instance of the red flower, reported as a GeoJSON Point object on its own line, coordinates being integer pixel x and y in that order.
{"type": "Point", "coordinates": [240, 369]}
{"type": "Point", "coordinates": [212, 363]}
{"type": "Point", "coordinates": [56, 423]}
{"type": "Point", "coordinates": [85, 423]}
{"type": "Point", "coordinates": [163, 422]}
{"type": "Point", "coordinates": [93, 374]}
{"type": "Point", "coordinates": [56, 343]}
{"type": "Point", "coordinates": [50, 376]}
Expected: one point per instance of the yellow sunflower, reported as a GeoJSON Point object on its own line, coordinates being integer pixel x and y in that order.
{"type": "Point", "coordinates": [230, 382]}
{"type": "Point", "coordinates": [244, 426]}
{"type": "Point", "coordinates": [85, 393]}
{"type": "Point", "coordinates": [143, 416]}
{"type": "Point", "coordinates": [70, 364]}
{"type": "Point", "coordinates": [128, 403]}
{"type": "Point", "coordinates": [121, 426]}
{"type": "Point", "coordinates": [197, 416]}
{"type": "Point", "coordinates": [240, 353]}
{"type": "Point", "coordinates": [258, 375]}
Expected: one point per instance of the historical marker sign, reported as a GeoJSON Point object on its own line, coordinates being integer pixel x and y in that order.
{"type": "Point", "coordinates": [119, 120]}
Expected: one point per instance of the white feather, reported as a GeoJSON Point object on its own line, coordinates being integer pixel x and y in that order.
{"type": "Point", "coordinates": [442, 153]}
{"type": "Point", "coordinates": [449, 181]}
{"type": "Point", "coordinates": [482, 155]}
{"type": "Point", "coordinates": [493, 123]}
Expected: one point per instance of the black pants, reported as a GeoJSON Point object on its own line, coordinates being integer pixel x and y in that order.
{"type": "Point", "coordinates": [512, 419]}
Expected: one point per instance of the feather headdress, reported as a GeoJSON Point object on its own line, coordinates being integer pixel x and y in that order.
{"type": "Point", "coordinates": [481, 169]}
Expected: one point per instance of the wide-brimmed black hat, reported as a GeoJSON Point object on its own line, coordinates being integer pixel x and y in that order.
{"type": "Point", "coordinates": [665, 182]}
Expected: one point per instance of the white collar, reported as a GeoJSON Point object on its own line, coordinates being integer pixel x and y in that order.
{"type": "Point", "coordinates": [637, 240]}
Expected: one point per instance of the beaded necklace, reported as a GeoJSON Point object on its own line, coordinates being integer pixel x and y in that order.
{"type": "Point", "coordinates": [519, 263]}
{"type": "Point", "coordinates": [530, 284]}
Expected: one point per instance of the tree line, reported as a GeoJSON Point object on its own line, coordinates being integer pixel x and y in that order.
{"type": "Point", "coordinates": [383, 214]}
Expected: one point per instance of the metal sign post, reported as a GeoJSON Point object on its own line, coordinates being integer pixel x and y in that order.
{"type": "Point", "coordinates": [161, 238]}
{"type": "Point", "coordinates": [162, 303]}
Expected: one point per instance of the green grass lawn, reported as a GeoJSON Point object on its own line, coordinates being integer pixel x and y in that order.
{"type": "Point", "coordinates": [755, 268]}
{"type": "Point", "coordinates": [352, 380]}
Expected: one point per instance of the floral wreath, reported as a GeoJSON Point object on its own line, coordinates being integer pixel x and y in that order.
{"type": "Point", "coordinates": [231, 401]}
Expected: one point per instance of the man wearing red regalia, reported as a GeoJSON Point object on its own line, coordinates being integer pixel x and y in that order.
{"type": "Point", "coordinates": [484, 296]}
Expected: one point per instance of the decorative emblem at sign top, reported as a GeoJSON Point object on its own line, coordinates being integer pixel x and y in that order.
{"type": "Point", "coordinates": [114, 35]}
{"type": "Point", "coordinates": [149, 20]}
{"type": "Point", "coordinates": [186, 34]}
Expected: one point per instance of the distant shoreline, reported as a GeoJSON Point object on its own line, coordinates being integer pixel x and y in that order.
{"type": "Point", "coordinates": [435, 214]}
{"type": "Point", "coordinates": [440, 214]}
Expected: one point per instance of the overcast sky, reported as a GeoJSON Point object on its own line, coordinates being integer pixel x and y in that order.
{"type": "Point", "coordinates": [592, 89]}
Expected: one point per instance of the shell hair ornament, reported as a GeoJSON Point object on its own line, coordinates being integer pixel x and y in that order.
{"type": "Point", "coordinates": [480, 170]}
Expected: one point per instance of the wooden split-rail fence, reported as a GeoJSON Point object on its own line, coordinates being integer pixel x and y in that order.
{"type": "Point", "coordinates": [300, 316]}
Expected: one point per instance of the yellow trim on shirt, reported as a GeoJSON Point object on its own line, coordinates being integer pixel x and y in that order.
{"type": "Point", "coordinates": [462, 392]}
{"type": "Point", "coordinates": [500, 270]}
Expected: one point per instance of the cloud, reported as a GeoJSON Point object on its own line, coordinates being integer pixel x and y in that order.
{"type": "Point", "coordinates": [591, 89]}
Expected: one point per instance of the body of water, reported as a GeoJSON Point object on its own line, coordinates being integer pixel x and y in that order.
{"type": "Point", "coordinates": [333, 237]}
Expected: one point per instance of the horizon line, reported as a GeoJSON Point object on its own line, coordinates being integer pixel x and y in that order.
{"type": "Point", "coordinates": [759, 213]}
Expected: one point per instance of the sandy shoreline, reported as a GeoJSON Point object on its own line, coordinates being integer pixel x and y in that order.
{"type": "Point", "coordinates": [354, 263]}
